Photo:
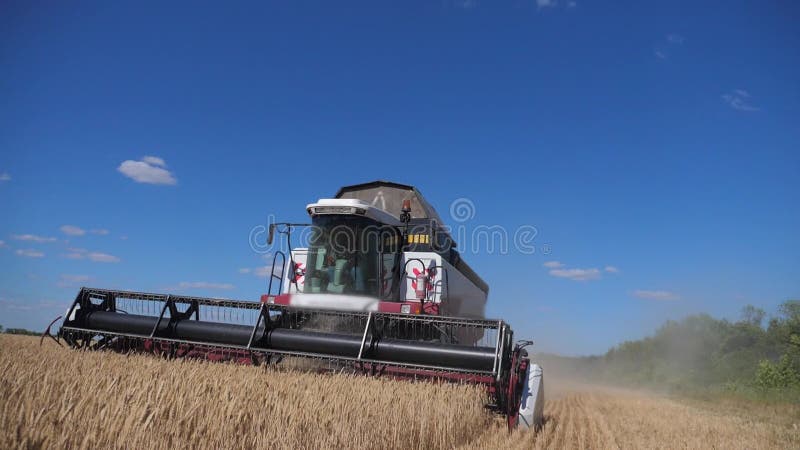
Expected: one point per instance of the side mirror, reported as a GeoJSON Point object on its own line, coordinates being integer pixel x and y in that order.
{"type": "Point", "coordinates": [271, 234]}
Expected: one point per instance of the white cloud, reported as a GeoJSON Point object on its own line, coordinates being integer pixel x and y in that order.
{"type": "Point", "coordinates": [204, 285]}
{"type": "Point", "coordinates": [154, 161]}
{"type": "Point", "coordinates": [32, 238]}
{"type": "Point", "coordinates": [559, 270]}
{"type": "Point", "coordinates": [260, 271]}
{"type": "Point", "coordinates": [5, 176]}
{"type": "Point", "coordinates": [72, 230]}
{"type": "Point", "coordinates": [82, 253]}
{"type": "Point", "coordinates": [542, 4]}
{"type": "Point", "coordinates": [576, 274]}
{"type": "Point", "coordinates": [655, 295]}
{"type": "Point", "coordinates": [28, 306]}
{"type": "Point", "coordinates": [75, 278]}
{"type": "Point", "coordinates": [664, 48]}
{"type": "Point", "coordinates": [465, 4]}
{"type": "Point", "coordinates": [739, 99]}
{"type": "Point", "coordinates": [102, 257]}
{"type": "Point", "coordinates": [30, 253]}
{"type": "Point", "coordinates": [263, 271]}
{"type": "Point", "coordinates": [675, 39]}
{"type": "Point", "coordinates": [16, 306]}
{"type": "Point", "coordinates": [150, 170]}
{"type": "Point", "coordinates": [2, 243]}
{"type": "Point", "coordinates": [72, 280]}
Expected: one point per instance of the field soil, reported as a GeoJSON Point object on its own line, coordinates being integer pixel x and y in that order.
{"type": "Point", "coordinates": [52, 397]}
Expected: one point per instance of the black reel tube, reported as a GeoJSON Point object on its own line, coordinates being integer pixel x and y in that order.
{"type": "Point", "coordinates": [390, 350]}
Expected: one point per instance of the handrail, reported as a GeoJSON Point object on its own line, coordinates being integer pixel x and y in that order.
{"type": "Point", "coordinates": [272, 272]}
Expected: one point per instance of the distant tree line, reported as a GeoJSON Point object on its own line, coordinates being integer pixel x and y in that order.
{"type": "Point", "coordinates": [701, 351]}
{"type": "Point", "coordinates": [19, 331]}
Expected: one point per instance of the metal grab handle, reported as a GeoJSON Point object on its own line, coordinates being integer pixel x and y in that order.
{"type": "Point", "coordinates": [405, 267]}
{"type": "Point", "coordinates": [444, 281]}
{"type": "Point", "coordinates": [272, 275]}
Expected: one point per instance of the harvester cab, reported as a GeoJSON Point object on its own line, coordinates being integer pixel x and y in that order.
{"type": "Point", "coordinates": [379, 288]}
{"type": "Point", "coordinates": [385, 248]}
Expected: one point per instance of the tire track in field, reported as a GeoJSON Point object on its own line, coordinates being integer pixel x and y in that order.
{"type": "Point", "coordinates": [603, 435]}
{"type": "Point", "coordinates": [563, 424]}
{"type": "Point", "coordinates": [580, 420]}
{"type": "Point", "coordinates": [585, 436]}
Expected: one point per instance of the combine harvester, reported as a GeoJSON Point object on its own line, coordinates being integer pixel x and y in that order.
{"type": "Point", "coordinates": [380, 289]}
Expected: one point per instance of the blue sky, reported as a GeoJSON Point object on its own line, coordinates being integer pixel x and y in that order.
{"type": "Point", "coordinates": [653, 146]}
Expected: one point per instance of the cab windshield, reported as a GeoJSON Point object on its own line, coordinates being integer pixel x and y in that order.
{"type": "Point", "coordinates": [348, 255]}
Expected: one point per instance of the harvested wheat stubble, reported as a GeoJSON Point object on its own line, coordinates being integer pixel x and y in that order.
{"type": "Point", "coordinates": [59, 398]}
{"type": "Point", "coordinates": [592, 417]}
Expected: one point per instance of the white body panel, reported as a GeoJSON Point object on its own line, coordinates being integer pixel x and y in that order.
{"type": "Point", "coordinates": [458, 296]}
{"type": "Point", "coordinates": [335, 302]}
{"type": "Point", "coordinates": [340, 206]}
{"type": "Point", "coordinates": [299, 255]}
{"type": "Point", "coordinates": [531, 406]}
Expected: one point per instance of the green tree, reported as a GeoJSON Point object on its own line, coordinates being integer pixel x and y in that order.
{"type": "Point", "coordinates": [780, 374]}
{"type": "Point", "coordinates": [753, 316]}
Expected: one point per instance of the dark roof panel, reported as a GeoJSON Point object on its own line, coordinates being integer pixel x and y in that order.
{"type": "Point", "coordinates": [389, 197]}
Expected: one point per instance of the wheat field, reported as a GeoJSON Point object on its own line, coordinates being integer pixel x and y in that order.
{"type": "Point", "coordinates": [60, 398]}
